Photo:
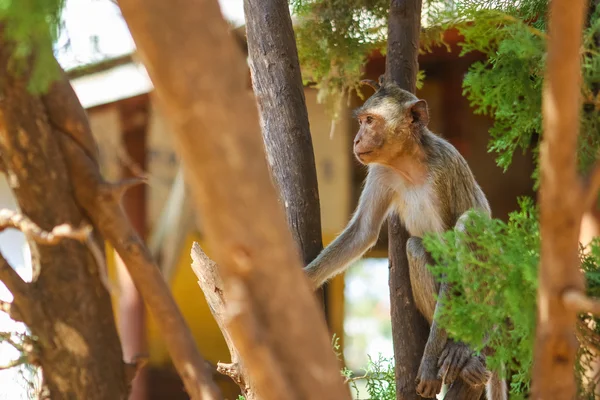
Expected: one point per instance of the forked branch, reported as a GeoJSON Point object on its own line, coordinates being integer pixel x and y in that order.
{"type": "Point", "coordinates": [16, 220]}
{"type": "Point", "coordinates": [13, 219]}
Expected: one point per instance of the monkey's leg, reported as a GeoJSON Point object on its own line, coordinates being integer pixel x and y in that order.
{"type": "Point", "coordinates": [424, 287]}
{"type": "Point", "coordinates": [423, 284]}
{"type": "Point", "coordinates": [458, 359]}
{"type": "Point", "coordinates": [443, 358]}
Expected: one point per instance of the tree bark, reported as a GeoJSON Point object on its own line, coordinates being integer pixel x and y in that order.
{"type": "Point", "coordinates": [562, 204]}
{"type": "Point", "coordinates": [409, 328]}
{"type": "Point", "coordinates": [279, 92]}
{"type": "Point", "coordinates": [66, 307]}
{"type": "Point", "coordinates": [199, 76]}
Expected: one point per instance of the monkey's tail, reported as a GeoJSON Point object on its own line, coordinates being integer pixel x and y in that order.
{"type": "Point", "coordinates": [496, 388]}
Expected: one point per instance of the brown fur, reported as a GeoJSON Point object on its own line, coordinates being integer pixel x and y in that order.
{"type": "Point", "coordinates": [423, 179]}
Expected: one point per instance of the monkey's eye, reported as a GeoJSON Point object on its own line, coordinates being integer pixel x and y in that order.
{"type": "Point", "coordinates": [369, 119]}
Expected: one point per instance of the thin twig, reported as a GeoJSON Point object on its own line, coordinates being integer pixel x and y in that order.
{"type": "Point", "coordinates": [13, 219]}
{"type": "Point", "coordinates": [15, 363]}
{"type": "Point", "coordinates": [7, 337]}
{"type": "Point", "coordinates": [356, 378]}
{"type": "Point", "coordinates": [578, 302]}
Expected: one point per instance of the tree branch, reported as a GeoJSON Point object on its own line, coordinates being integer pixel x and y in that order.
{"type": "Point", "coordinates": [7, 337]}
{"type": "Point", "coordinates": [16, 220]}
{"type": "Point", "coordinates": [13, 219]}
{"type": "Point", "coordinates": [211, 283]}
{"type": "Point", "coordinates": [578, 302]}
{"type": "Point", "coordinates": [14, 363]}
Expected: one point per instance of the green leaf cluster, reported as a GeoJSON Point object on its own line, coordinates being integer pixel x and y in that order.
{"type": "Point", "coordinates": [379, 379]}
{"type": "Point", "coordinates": [493, 265]}
{"type": "Point", "coordinates": [32, 26]}
{"type": "Point", "coordinates": [508, 84]}
{"type": "Point", "coordinates": [334, 38]}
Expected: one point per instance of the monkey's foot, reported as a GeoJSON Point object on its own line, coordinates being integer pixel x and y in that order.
{"type": "Point", "coordinates": [475, 372]}
{"type": "Point", "coordinates": [452, 360]}
{"type": "Point", "coordinates": [428, 382]}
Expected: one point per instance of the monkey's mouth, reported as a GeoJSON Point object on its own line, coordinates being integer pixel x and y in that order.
{"type": "Point", "coordinates": [363, 153]}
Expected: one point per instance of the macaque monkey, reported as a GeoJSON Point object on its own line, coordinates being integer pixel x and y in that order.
{"type": "Point", "coordinates": [424, 179]}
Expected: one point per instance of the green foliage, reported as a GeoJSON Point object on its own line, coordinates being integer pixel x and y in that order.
{"type": "Point", "coordinates": [508, 84]}
{"type": "Point", "coordinates": [334, 39]}
{"type": "Point", "coordinates": [508, 252]}
{"type": "Point", "coordinates": [33, 26]}
{"type": "Point", "coordinates": [379, 379]}
{"type": "Point", "coordinates": [493, 265]}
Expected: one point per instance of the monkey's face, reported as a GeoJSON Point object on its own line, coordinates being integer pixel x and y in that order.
{"type": "Point", "coordinates": [370, 139]}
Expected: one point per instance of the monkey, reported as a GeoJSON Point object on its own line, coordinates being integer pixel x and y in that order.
{"type": "Point", "coordinates": [424, 180]}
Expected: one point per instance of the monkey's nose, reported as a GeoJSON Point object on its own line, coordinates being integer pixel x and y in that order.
{"type": "Point", "coordinates": [356, 141]}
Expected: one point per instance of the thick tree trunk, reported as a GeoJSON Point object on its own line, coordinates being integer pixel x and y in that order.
{"type": "Point", "coordinates": [279, 92]}
{"type": "Point", "coordinates": [66, 307]}
{"type": "Point", "coordinates": [284, 119]}
{"type": "Point", "coordinates": [409, 329]}
{"type": "Point", "coordinates": [199, 76]}
{"type": "Point", "coordinates": [563, 201]}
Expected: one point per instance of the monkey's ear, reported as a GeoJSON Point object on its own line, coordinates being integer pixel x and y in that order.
{"type": "Point", "coordinates": [419, 112]}
{"type": "Point", "coordinates": [370, 82]}
{"type": "Point", "coordinates": [381, 80]}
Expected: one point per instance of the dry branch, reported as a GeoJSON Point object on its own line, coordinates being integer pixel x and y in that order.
{"type": "Point", "coordinates": [211, 284]}
{"type": "Point", "coordinates": [13, 219]}
{"type": "Point", "coordinates": [14, 363]}
{"type": "Point", "coordinates": [216, 132]}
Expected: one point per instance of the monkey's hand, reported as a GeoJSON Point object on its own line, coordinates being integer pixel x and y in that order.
{"type": "Point", "coordinates": [475, 372]}
{"type": "Point", "coordinates": [428, 381]}
{"type": "Point", "coordinates": [453, 359]}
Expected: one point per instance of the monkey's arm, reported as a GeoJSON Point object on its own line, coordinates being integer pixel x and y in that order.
{"type": "Point", "coordinates": [360, 234]}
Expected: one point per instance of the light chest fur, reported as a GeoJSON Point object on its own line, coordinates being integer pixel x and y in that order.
{"type": "Point", "coordinates": [417, 206]}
